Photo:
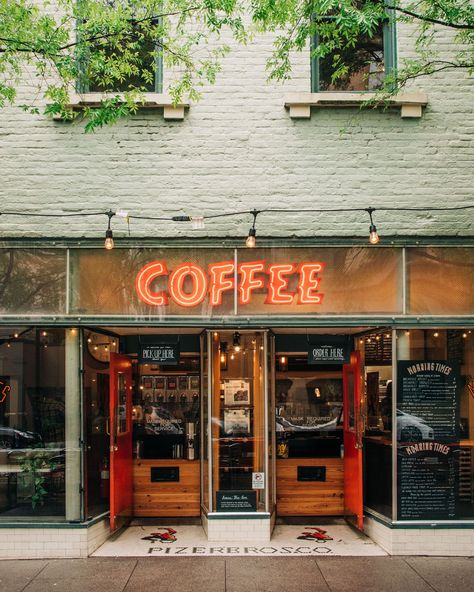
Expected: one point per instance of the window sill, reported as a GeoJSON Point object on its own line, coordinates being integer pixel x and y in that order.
{"type": "Point", "coordinates": [150, 101]}
{"type": "Point", "coordinates": [299, 104]}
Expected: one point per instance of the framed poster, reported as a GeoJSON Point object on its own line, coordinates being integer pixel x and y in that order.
{"type": "Point", "coordinates": [236, 392]}
{"type": "Point", "coordinates": [236, 421]}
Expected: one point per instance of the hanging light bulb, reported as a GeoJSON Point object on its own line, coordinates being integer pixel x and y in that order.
{"type": "Point", "coordinates": [109, 236]}
{"type": "Point", "coordinates": [236, 341]}
{"type": "Point", "coordinates": [251, 239]}
{"type": "Point", "coordinates": [374, 238]}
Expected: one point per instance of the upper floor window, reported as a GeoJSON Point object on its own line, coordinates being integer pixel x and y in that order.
{"type": "Point", "coordinates": [119, 62]}
{"type": "Point", "coordinates": [362, 67]}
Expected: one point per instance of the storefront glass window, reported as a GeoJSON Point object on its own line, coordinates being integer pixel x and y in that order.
{"type": "Point", "coordinates": [375, 348]}
{"type": "Point", "coordinates": [33, 281]}
{"type": "Point", "coordinates": [440, 281]}
{"type": "Point", "coordinates": [435, 424]}
{"type": "Point", "coordinates": [239, 441]}
{"type": "Point", "coordinates": [32, 424]}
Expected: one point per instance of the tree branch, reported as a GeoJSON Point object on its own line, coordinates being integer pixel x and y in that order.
{"type": "Point", "coordinates": [428, 19]}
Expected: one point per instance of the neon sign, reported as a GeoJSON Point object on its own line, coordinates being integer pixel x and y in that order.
{"type": "Point", "coordinates": [189, 284]}
{"type": "Point", "coordinates": [4, 391]}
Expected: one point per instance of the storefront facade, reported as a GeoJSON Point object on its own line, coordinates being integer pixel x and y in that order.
{"type": "Point", "coordinates": [232, 384]}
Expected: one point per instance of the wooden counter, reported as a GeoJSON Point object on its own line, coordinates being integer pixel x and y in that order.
{"type": "Point", "coordinates": [310, 498]}
{"type": "Point", "coordinates": [173, 498]}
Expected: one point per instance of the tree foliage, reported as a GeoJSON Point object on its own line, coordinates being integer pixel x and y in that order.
{"type": "Point", "coordinates": [48, 50]}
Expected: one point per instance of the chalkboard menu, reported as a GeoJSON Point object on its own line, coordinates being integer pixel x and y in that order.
{"type": "Point", "coordinates": [426, 481]}
{"type": "Point", "coordinates": [455, 344]}
{"type": "Point", "coordinates": [428, 407]}
{"type": "Point", "coordinates": [378, 351]}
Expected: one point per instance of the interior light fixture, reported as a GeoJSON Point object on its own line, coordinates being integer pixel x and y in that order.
{"type": "Point", "coordinates": [374, 238]}
{"type": "Point", "coordinates": [16, 335]}
{"type": "Point", "coordinates": [436, 334]}
{"type": "Point", "coordinates": [464, 335]}
{"type": "Point", "coordinates": [283, 363]}
{"type": "Point", "coordinates": [109, 236]}
{"type": "Point", "coordinates": [252, 237]}
{"type": "Point", "coordinates": [223, 355]}
{"type": "Point", "coordinates": [236, 341]}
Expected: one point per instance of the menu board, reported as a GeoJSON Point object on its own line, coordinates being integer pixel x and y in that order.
{"type": "Point", "coordinates": [427, 427]}
{"type": "Point", "coordinates": [427, 403]}
{"type": "Point", "coordinates": [378, 351]}
{"type": "Point", "coordinates": [426, 481]}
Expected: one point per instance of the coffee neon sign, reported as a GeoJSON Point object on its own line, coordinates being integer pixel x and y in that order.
{"type": "Point", "coordinates": [189, 284]}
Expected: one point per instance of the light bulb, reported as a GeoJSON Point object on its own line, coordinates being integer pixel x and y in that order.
{"type": "Point", "coordinates": [109, 241]}
{"type": "Point", "coordinates": [222, 358]}
{"type": "Point", "coordinates": [251, 239]}
{"type": "Point", "coordinates": [237, 348]}
{"type": "Point", "coordinates": [374, 238]}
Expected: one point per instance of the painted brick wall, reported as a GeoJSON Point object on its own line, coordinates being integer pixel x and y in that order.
{"type": "Point", "coordinates": [238, 149]}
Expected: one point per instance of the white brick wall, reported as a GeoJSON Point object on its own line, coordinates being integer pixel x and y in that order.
{"type": "Point", "coordinates": [238, 149]}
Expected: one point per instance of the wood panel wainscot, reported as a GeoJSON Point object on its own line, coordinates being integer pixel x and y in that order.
{"type": "Point", "coordinates": [310, 498]}
{"type": "Point", "coordinates": [166, 498]}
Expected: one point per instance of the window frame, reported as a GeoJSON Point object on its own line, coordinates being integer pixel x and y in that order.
{"type": "Point", "coordinates": [82, 86]}
{"type": "Point", "coordinates": [389, 51]}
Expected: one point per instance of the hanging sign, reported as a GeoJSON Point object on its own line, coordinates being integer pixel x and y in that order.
{"type": "Point", "coordinates": [329, 349]}
{"type": "Point", "coordinates": [160, 353]}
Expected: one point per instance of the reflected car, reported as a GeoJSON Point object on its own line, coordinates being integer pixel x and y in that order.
{"type": "Point", "coordinates": [12, 439]}
{"type": "Point", "coordinates": [412, 429]}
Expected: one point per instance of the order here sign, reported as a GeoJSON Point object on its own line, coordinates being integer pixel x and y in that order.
{"type": "Point", "coordinates": [188, 284]}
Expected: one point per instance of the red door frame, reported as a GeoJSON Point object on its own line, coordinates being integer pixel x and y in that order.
{"type": "Point", "coordinates": [120, 430]}
{"type": "Point", "coordinates": [353, 492]}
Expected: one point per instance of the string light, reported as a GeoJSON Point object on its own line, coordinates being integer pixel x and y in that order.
{"type": "Point", "coordinates": [109, 237]}
{"type": "Point", "coordinates": [374, 238]}
{"type": "Point", "coordinates": [251, 239]}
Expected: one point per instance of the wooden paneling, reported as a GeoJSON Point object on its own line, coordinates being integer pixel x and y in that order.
{"type": "Point", "coordinates": [310, 498]}
{"type": "Point", "coordinates": [175, 498]}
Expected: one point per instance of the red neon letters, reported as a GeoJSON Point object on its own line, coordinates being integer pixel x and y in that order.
{"type": "Point", "coordinates": [188, 284]}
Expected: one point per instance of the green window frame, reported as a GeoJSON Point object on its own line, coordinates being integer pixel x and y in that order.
{"type": "Point", "coordinates": [389, 51]}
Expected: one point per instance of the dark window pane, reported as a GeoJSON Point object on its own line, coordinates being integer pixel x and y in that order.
{"type": "Point", "coordinates": [32, 423]}
{"type": "Point", "coordinates": [105, 74]}
{"type": "Point", "coordinates": [365, 66]}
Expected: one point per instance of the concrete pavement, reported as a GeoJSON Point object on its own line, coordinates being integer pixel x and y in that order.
{"type": "Point", "coordinates": [240, 574]}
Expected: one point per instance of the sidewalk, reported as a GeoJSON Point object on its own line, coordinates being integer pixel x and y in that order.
{"type": "Point", "coordinates": [236, 574]}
